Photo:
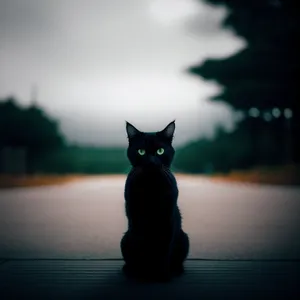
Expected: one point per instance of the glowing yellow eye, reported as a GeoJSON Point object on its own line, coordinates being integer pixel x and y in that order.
{"type": "Point", "coordinates": [141, 152]}
{"type": "Point", "coordinates": [160, 151]}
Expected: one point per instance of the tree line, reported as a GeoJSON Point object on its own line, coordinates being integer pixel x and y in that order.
{"type": "Point", "coordinates": [260, 80]}
{"type": "Point", "coordinates": [46, 148]}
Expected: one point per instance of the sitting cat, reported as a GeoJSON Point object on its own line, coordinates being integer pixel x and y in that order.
{"type": "Point", "coordinates": [154, 246]}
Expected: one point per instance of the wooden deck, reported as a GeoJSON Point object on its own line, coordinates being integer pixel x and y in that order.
{"type": "Point", "coordinates": [103, 279]}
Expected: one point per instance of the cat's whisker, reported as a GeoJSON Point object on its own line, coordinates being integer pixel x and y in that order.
{"type": "Point", "coordinates": [167, 174]}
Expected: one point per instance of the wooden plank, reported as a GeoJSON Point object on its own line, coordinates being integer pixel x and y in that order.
{"type": "Point", "coordinates": [103, 279]}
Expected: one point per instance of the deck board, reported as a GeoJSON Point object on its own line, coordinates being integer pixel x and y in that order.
{"type": "Point", "coordinates": [103, 279]}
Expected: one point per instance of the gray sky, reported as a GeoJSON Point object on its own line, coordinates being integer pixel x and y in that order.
{"type": "Point", "coordinates": [98, 63]}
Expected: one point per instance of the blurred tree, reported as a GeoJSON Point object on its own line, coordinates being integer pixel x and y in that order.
{"type": "Point", "coordinates": [225, 152]}
{"type": "Point", "coordinates": [47, 151]}
{"type": "Point", "coordinates": [265, 74]}
{"type": "Point", "coordinates": [29, 128]}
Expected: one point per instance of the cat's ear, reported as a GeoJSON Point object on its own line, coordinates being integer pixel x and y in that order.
{"type": "Point", "coordinates": [168, 132]}
{"type": "Point", "coordinates": [131, 130]}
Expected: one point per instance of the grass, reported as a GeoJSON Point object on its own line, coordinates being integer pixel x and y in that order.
{"type": "Point", "coordinates": [277, 175]}
{"type": "Point", "coordinates": [287, 175]}
{"type": "Point", "coordinates": [11, 181]}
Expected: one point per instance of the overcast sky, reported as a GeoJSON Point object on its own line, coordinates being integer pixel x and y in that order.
{"type": "Point", "coordinates": [97, 63]}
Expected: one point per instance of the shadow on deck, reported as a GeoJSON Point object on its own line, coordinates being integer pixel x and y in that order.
{"type": "Point", "coordinates": [103, 279]}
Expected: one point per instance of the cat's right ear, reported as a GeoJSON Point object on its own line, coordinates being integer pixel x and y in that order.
{"type": "Point", "coordinates": [131, 130]}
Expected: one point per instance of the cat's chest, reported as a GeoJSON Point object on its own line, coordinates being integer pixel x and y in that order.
{"type": "Point", "coordinates": [148, 187]}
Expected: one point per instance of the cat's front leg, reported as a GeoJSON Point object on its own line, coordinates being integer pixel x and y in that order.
{"type": "Point", "coordinates": [163, 267]}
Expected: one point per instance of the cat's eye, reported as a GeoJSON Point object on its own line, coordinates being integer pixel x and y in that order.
{"type": "Point", "coordinates": [160, 151]}
{"type": "Point", "coordinates": [141, 152]}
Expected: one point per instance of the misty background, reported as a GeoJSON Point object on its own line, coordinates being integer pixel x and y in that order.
{"type": "Point", "coordinates": [94, 64]}
{"type": "Point", "coordinates": [72, 72]}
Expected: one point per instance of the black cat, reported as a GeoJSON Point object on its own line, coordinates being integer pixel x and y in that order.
{"type": "Point", "coordinates": [154, 246]}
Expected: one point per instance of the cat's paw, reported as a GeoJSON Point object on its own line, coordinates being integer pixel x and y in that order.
{"type": "Point", "coordinates": [163, 274]}
{"type": "Point", "coordinates": [164, 277]}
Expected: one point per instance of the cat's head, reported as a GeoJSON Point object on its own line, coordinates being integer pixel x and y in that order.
{"type": "Point", "coordinates": [150, 149]}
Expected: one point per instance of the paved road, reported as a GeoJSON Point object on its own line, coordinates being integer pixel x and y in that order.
{"type": "Point", "coordinates": [86, 219]}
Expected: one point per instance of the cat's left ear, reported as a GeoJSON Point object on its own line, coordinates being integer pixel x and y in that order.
{"type": "Point", "coordinates": [131, 130]}
{"type": "Point", "coordinates": [168, 132]}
